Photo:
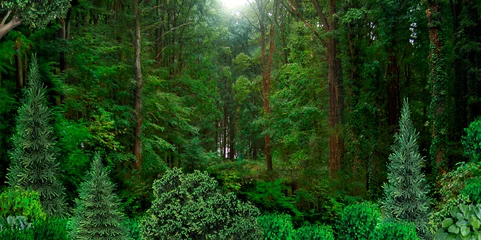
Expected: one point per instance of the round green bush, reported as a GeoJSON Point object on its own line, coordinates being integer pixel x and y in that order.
{"type": "Point", "coordinates": [358, 221]}
{"type": "Point", "coordinates": [314, 232]}
{"type": "Point", "coordinates": [388, 230]}
{"type": "Point", "coordinates": [192, 206]}
{"type": "Point", "coordinates": [276, 226]}
{"type": "Point", "coordinates": [16, 202]}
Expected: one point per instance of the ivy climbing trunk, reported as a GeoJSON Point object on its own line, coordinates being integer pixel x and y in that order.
{"type": "Point", "coordinates": [438, 80]}
{"type": "Point", "coordinates": [138, 89]}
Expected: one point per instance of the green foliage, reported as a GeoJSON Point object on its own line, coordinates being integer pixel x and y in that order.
{"type": "Point", "coordinates": [96, 214]}
{"type": "Point", "coordinates": [270, 196]}
{"type": "Point", "coordinates": [133, 228]}
{"type": "Point", "coordinates": [464, 222]}
{"type": "Point", "coordinates": [388, 230]}
{"type": "Point", "coordinates": [192, 206]}
{"type": "Point", "coordinates": [472, 141]}
{"type": "Point", "coordinates": [472, 190]}
{"type": "Point", "coordinates": [314, 232]}
{"type": "Point", "coordinates": [406, 191]}
{"type": "Point", "coordinates": [34, 165]}
{"type": "Point", "coordinates": [51, 229]}
{"type": "Point", "coordinates": [456, 182]}
{"type": "Point", "coordinates": [16, 202]}
{"type": "Point", "coordinates": [358, 221]}
{"type": "Point", "coordinates": [35, 13]}
{"type": "Point", "coordinates": [14, 223]}
{"type": "Point", "coordinates": [277, 226]}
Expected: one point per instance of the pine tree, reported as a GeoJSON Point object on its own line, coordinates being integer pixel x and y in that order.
{"type": "Point", "coordinates": [406, 191]}
{"type": "Point", "coordinates": [97, 215]}
{"type": "Point", "coordinates": [33, 163]}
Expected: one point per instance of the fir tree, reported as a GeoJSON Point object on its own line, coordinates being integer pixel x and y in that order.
{"type": "Point", "coordinates": [33, 163]}
{"type": "Point", "coordinates": [97, 215]}
{"type": "Point", "coordinates": [406, 190]}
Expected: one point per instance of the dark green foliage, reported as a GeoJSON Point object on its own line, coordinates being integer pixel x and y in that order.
{"type": "Point", "coordinates": [133, 228]}
{"type": "Point", "coordinates": [390, 230]}
{"type": "Point", "coordinates": [472, 190]}
{"type": "Point", "coordinates": [464, 222]}
{"type": "Point", "coordinates": [192, 206]}
{"type": "Point", "coordinates": [97, 214]}
{"type": "Point", "coordinates": [270, 196]}
{"type": "Point", "coordinates": [277, 226]}
{"type": "Point", "coordinates": [314, 232]}
{"type": "Point", "coordinates": [472, 141]}
{"type": "Point", "coordinates": [358, 221]}
{"type": "Point", "coordinates": [16, 202]}
{"type": "Point", "coordinates": [406, 191]}
{"type": "Point", "coordinates": [34, 165]}
{"type": "Point", "coordinates": [51, 229]}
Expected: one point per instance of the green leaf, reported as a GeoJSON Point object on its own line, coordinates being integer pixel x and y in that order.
{"type": "Point", "coordinates": [465, 231]}
{"type": "Point", "coordinates": [462, 223]}
{"type": "Point", "coordinates": [453, 229]}
{"type": "Point", "coordinates": [454, 212]}
{"type": "Point", "coordinates": [447, 222]}
{"type": "Point", "coordinates": [474, 221]}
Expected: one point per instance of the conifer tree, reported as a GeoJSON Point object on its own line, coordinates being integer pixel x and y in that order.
{"type": "Point", "coordinates": [33, 163]}
{"type": "Point", "coordinates": [406, 191]}
{"type": "Point", "coordinates": [97, 214]}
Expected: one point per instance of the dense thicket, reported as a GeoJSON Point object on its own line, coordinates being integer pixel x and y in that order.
{"type": "Point", "coordinates": [290, 104]}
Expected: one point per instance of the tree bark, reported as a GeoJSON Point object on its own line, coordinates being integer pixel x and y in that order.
{"type": "Point", "coordinates": [7, 27]}
{"type": "Point", "coordinates": [438, 80]}
{"type": "Point", "coordinates": [19, 69]}
{"type": "Point", "coordinates": [138, 90]}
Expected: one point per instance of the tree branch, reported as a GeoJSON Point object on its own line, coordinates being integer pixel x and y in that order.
{"type": "Point", "coordinates": [293, 11]}
{"type": "Point", "coordinates": [5, 19]}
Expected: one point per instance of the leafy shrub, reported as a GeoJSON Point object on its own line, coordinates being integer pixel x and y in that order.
{"type": "Point", "coordinates": [270, 196]}
{"type": "Point", "coordinates": [16, 202]}
{"type": "Point", "coordinates": [472, 141]}
{"type": "Point", "coordinates": [133, 228]}
{"type": "Point", "coordinates": [192, 206]}
{"type": "Point", "coordinates": [358, 221]}
{"type": "Point", "coordinates": [314, 232]}
{"type": "Point", "coordinates": [14, 223]}
{"type": "Point", "coordinates": [464, 223]}
{"type": "Point", "coordinates": [388, 230]}
{"type": "Point", "coordinates": [472, 190]}
{"type": "Point", "coordinates": [51, 229]}
{"type": "Point", "coordinates": [277, 226]}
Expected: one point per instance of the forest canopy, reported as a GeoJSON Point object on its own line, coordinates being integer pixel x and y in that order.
{"type": "Point", "coordinates": [262, 119]}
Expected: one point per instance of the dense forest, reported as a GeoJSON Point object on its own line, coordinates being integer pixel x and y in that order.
{"type": "Point", "coordinates": [270, 119]}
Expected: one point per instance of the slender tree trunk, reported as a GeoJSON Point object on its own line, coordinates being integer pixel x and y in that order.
{"type": "Point", "coordinates": [438, 80]}
{"type": "Point", "coordinates": [19, 69]}
{"type": "Point", "coordinates": [138, 90]}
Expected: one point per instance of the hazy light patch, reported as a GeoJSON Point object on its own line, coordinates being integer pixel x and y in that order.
{"type": "Point", "coordinates": [233, 4]}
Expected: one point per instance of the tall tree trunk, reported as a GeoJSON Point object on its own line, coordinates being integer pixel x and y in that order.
{"type": "Point", "coordinates": [138, 89]}
{"type": "Point", "coordinates": [19, 68]}
{"type": "Point", "coordinates": [438, 79]}
{"type": "Point", "coordinates": [266, 71]}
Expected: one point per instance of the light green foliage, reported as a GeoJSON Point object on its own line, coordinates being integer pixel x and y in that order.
{"type": "Point", "coordinates": [277, 226]}
{"type": "Point", "coordinates": [96, 214]}
{"type": "Point", "coordinates": [35, 13]}
{"type": "Point", "coordinates": [34, 165]}
{"type": "Point", "coordinates": [464, 222]}
{"type": "Point", "coordinates": [472, 190]}
{"type": "Point", "coordinates": [192, 206]}
{"type": "Point", "coordinates": [456, 182]}
{"type": "Point", "coordinates": [472, 141]}
{"type": "Point", "coordinates": [406, 191]}
{"type": "Point", "coordinates": [16, 202]}
{"type": "Point", "coordinates": [133, 228]}
{"type": "Point", "coordinates": [389, 230]}
{"type": "Point", "coordinates": [14, 223]}
{"type": "Point", "coordinates": [314, 232]}
{"type": "Point", "coordinates": [358, 221]}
